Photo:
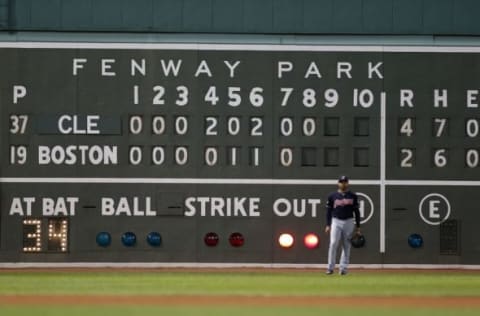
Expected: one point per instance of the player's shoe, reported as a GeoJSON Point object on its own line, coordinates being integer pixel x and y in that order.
{"type": "Point", "coordinates": [343, 272]}
{"type": "Point", "coordinates": [329, 272]}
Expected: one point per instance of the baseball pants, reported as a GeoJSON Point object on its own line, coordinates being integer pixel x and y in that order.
{"type": "Point", "coordinates": [340, 233]}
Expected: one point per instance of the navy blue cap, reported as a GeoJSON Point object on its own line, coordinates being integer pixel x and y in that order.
{"type": "Point", "coordinates": [343, 179]}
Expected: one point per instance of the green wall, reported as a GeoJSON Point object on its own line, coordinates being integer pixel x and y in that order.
{"type": "Point", "coordinates": [401, 17]}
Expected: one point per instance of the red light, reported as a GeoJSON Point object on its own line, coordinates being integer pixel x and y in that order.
{"type": "Point", "coordinates": [236, 240]}
{"type": "Point", "coordinates": [286, 240]}
{"type": "Point", "coordinates": [311, 241]}
{"type": "Point", "coordinates": [211, 239]}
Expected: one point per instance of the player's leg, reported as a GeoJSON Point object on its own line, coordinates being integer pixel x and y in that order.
{"type": "Point", "coordinates": [347, 231]}
{"type": "Point", "coordinates": [335, 235]}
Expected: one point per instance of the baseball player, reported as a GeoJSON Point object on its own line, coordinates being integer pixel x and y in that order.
{"type": "Point", "coordinates": [342, 207]}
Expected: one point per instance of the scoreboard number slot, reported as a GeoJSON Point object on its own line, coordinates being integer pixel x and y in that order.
{"type": "Point", "coordinates": [18, 123]}
{"type": "Point", "coordinates": [407, 126]}
{"type": "Point", "coordinates": [472, 158]}
{"type": "Point", "coordinates": [440, 127]}
{"type": "Point", "coordinates": [233, 125]}
{"type": "Point", "coordinates": [181, 125]}
{"type": "Point", "coordinates": [440, 157]}
{"type": "Point", "coordinates": [211, 156]}
{"type": "Point", "coordinates": [135, 155]}
{"type": "Point", "coordinates": [255, 156]}
{"type": "Point", "coordinates": [135, 124]}
{"type": "Point", "coordinates": [211, 123]}
{"type": "Point", "coordinates": [407, 157]}
{"type": "Point", "coordinates": [181, 155]}
{"type": "Point", "coordinates": [18, 154]}
{"type": "Point", "coordinates": [309, 126]}
{"type": "Point", "coordinates": [472, 128]}
{"type": "Point", "coordinates": [286, 156]}
{"type": "Point", "coordinates": [256, 126]}
{"type": "Point", "coordinates": [158, 125]}
{"type": "Point", "coordinates": [158, 155]}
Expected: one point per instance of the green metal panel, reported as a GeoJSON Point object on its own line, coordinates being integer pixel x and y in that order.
{"type": "Point", "coordinates": [107, 14]}
{"type": "Point", "coordinates": [287, 16]}
{"type": "Point", "coordinates": [320, 17]}
{"type": "Point", "coordinates": [437, 16]}
{"type": "Point", "coordinates": [258, 16]}
{"type": "Point", "coordinates": [4, 13]}
{"type": "Point", "coordinates": [407, 16]}
{"type": "Point", "coordinates": [197, 15]}
{"type": "Point", "coordinates": [465, 17]}
{"type": "Point", "coordinates": [22, 14]}
{"type": "Point", "coordinates": [374, 22]}
{"type": "Point", "coordinates": [46, 14]}
{"type": "Point", "coordinates": [167, 15]}
{"type": "Point", "coordinates": [347, 15]}
{"type": "Point", "coordinates": [139, 16]}
{"type": "Point", "coordinates": [225, 22]}
{"type": "Point", "coordinates": [76, 14]}
{"type": "Point", "coordinates": [317, 16]}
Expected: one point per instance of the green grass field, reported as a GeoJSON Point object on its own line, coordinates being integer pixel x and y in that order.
{"type": "Point", "coordinates": [261, 283]}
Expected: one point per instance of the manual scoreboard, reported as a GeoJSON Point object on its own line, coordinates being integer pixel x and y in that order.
{"type": "Point", "coordinates": [221, 153]}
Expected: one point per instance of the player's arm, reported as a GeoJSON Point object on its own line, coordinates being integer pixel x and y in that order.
{"type": "Point", "coordinates": [329, 214]}
{"type": "Point", "coordinates": [356, 210]}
